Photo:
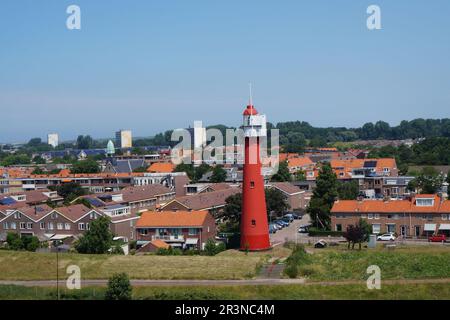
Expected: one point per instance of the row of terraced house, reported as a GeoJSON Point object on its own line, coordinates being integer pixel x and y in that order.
{"type": "Point", "coordinates": [417, 217]}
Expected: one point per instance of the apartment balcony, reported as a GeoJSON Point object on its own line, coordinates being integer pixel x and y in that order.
{"type": "Point", "coordinates": [178, 238]}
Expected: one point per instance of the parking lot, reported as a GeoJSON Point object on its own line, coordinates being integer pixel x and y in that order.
{"type": "Point", "coordinates": [290, 233]}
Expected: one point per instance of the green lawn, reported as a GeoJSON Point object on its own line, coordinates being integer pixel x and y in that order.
{"type": "Point", "coordinates": [42, 266]}
{"type": "Point", "coordinates": [285, 292]}
{"type": "Point", "coordinates": [401, 263]}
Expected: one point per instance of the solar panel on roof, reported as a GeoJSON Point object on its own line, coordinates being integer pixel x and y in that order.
{"type": "Point", "coordinates": [39, 209]}
{"type": "Point", "coordinates": [370, 164]}
{"type": "Point", "coordinates": [95, 202]}
{"type": "Point", "coordinates": [7, 201]}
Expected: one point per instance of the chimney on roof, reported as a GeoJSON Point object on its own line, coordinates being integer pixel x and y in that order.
{"type": "Point", "coordinates": [441, 197]}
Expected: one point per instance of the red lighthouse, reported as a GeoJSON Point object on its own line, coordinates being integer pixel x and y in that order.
{"type": "Point", "coordinates": [254, 226]}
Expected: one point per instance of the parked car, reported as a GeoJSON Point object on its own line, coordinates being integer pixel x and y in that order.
{"type": "Point", "coordinates": [272, 228]}
{"type": "Point", "coordinates": [283, 223]}
{"type": "Point", "coordinates": [437, 238]}
{"type": "Point", "coordinates": [303, 228]}
{"type": "Point", "coordinates": [277, 226]}
{"type": "Point", "coordinates": [286, 219]}
{"type": "Point", "coordinates": [294, 215]}
{"type": "Point", "coordinates": [386, 237]}
{"type": "Point", "coordinates": [289, 217]}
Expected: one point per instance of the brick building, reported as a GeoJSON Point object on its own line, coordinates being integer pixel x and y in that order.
{"type": "Point", "coordinates": [182, 229]}
{"type": "Point", "coordinates": [417, 217]}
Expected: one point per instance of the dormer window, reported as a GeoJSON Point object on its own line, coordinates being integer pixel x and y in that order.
{"type": "Point", "coordinates": [425, 202]}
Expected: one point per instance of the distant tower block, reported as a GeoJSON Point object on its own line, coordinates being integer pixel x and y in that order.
{"type": "Point", "coordinates": [53, 139]}
{"type": "Point", "coordinates": [124, 139]}
{"type": "Point", "coordinates": [254, 225]}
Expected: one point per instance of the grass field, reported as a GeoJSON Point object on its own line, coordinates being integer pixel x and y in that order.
{"type": "Point", "coordinates": [41, 266]}
{"type": "Point", "coordinates": [285, 292]}
{"type": "Point", "coordinates": [401, 263]}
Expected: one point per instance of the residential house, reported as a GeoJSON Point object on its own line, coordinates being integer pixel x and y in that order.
{"type": "Point", "coordinates": [420, 216]}
{"type": "Point", "coordinates": [213, 201]}
{"type": "Point", "coordinates": [296, 198]}
{"type": "Point", "coordinates": [180, 229]}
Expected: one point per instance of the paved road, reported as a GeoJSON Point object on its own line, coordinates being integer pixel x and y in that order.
{"type": "Point", "coordinates": [153, 283]}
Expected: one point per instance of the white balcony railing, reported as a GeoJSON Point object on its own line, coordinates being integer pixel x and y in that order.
{"type": "Point", "coordinates": [178, 238]}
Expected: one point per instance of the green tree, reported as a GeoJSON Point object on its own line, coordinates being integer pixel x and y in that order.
{"type": "Point", "coordinates": [218, 174]}
{"type": "Point", "coordinates": [357, 233]}
{"type": "Point", "coordinates": [276, 201]}
{"type": "Point", "coordinates": [38, 170]}
{"type": "Point", "coordinates": [212, 248]}
{"type": "Point", "coordinates": [233, 207]}
{"type": "Point", "coordinates": [188, 168]}
{"type": "Point", "coordinates": [30, 243]}
{"type": "Point", "coordinates": [119, 287]}
{"type": "Point", "coordinates": [200, 171]}
{"type": "Point", "coordinates": [14, 241]}
{"type": "Point", "coordinates": [429, 181]}
{"type": "Point", "coordinates": [70, 191]}
{"type": "Point", "coordinates": [300, 175]}
{"type": "Point", "coordinates": [85, 166]}
{"type": "Point", "coordinates": [15, 159]}
{"type": "Point", "coordinates": [98, 239]}
{"type": "Point", "coordinates": [34, 142]}
{"type": "Point", "coordinates": [348, 190]}
{"type": "Point", "coordinates": [323, 197]}
{"type": "Point", "coordinates": [39, 160]}
{"type": "Point", "coordinates": [84, 142]}
{"type": "Point", "coordinates": [283, 173]}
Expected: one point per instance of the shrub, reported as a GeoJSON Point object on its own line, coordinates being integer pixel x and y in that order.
{"type": "Point", "coordinates": [212, 248]}
{"type": "Point", "coordinates": [291, 271]}
{"type": "Point", "coordinates": [117, 249]}
{"type": "Point", "coordinates": [119, 287]}
{"type": "Point", "coordinates": [30, 243]}
{"type": "Point", "coordinates": [297, 257]}
{"type": "Point", "coordinates": [14, 242]}
{"type": "Point", "coordinates": [169, 252]}
{"type": "Point", "coordinates": [133, 244]}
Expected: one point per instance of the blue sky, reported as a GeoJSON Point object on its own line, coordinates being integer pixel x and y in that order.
{"type": "Point", "coordinates": [155, 65]}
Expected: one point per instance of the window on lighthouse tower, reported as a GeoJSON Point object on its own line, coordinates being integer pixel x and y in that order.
{"type": "Point", "coordinates": [252, 184]}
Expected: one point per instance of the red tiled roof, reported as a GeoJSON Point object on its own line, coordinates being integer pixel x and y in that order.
{"type": "Point", "coordinates": [172, 219]}
{"type": "Point", "coordinates": [391, 206]}
{"type": "Point", "coordinates": [299, 162]}
{"type": "Point", "coordinates": [157, 243]}
{"type": "Point", "coordinates": [161, 167]}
